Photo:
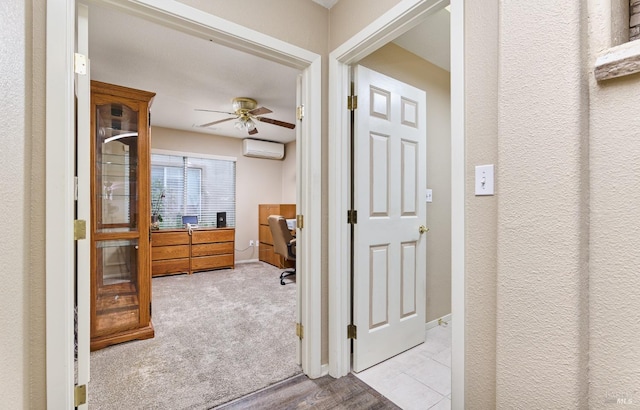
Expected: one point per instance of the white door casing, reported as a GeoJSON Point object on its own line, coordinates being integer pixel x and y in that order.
{"type": "Point", "coordinates": [60, 176]}
{"type": "Point", "coordinates": [59, 169]}
{"type": "Point", "coordinates": [389, 196]}
{"type": "Point", "coordinates": [83, 203]}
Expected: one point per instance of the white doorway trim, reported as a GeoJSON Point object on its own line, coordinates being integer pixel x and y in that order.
{"type": "Point", "coordinates": [399, 19]}
{"type": "Point", "coordinates": [60, 160]}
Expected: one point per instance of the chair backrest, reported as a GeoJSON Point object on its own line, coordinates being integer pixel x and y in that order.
{"type": "Point", "coordinates": [281, 235]}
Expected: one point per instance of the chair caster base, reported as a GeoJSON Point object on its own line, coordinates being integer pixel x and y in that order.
{"type": "Point", "coordinates": [285, 274]}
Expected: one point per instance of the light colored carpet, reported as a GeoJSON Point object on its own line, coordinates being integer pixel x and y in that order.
{"type": "Point", "coordinates": [218, 335]}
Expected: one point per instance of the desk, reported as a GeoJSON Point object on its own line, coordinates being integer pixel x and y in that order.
{"type": "Point", "coordinates": [266, 253]}
{"type": "Point", "coordinates": [175, 251]}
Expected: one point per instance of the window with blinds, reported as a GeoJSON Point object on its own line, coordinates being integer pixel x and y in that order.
{"type": "Point", "coordinates": [188, 185]}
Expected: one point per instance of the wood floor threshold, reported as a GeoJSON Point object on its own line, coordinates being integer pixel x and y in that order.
{"type": "Point", "coordinates": [300, 392]}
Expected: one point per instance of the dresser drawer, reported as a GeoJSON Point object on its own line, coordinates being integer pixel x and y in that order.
{"type": "Point", "coordinates": [169, 252]}
{"type": "Point", "coordinates": [211, 262]}
{"type": "Point", "coordinates": [169, 266]}
{"type": "Point", "coordinates": [264, 233]}
{"type": "Point", "coordinates": [214, 235]}
{"type": "Point", "coordinates": [207, 249]}
{"type": "Point", "coordinates": [169, 238]}
{"type": "Point", "coordinates": [265, 210]}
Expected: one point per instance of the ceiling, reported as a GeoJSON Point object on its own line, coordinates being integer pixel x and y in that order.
{"type": "Point", "coordinates": [189, 73]}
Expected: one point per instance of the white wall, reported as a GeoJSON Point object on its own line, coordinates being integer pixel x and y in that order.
{"type": "Point", "coordinates": [258, 181]}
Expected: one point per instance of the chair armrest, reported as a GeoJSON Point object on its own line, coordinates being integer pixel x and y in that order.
{"type": "Point", "coordinates": [291, 247]}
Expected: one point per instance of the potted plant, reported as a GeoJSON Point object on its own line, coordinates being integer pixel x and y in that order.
{"type": "Point", "coordinates": [156, 217]}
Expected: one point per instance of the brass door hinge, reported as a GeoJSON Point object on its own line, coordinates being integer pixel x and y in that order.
{"type": "Point", "coordinates": [80, 395]}
{"type": "Point", "coordinates": [352, 332]}
{"type": "Point", "coordinates": [299, 331]}
{"type": "Point", "coordinates": [79, 229]}
{"type": "Point", "coordinates": [352, 216]}
{"type": "Point", "coordinates": [300, 112]}
{"type": "Point", "coordinates": [299, 221]}
{"type": "Point", "coordinates": [352, 102]}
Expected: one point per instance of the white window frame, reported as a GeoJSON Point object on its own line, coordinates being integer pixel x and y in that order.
{"type": "Point", "coordinates": [184, 154]}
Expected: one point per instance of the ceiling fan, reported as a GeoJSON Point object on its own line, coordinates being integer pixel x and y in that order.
{"type": "Point", "coordinates": [246, 114]}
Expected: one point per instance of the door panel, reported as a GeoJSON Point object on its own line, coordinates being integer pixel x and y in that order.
{"type": "Point", "coordinates": [389, 192]}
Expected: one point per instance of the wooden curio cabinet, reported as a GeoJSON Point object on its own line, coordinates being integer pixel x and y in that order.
{"type": "Point", "coordinates": [120, 220]}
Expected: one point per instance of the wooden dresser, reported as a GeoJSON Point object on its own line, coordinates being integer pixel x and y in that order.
{"type": "Point", "coordinates": [175, 251]}
{"type": "Point", "coordinates": [266, 253]}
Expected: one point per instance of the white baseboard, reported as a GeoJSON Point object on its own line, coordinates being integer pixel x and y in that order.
{"type": "Point", "coordinates": [247, 261]}
{"type": "Point", "coordinates": [434, 323]}
{"type": "Point", "coordinates": [324, 369]}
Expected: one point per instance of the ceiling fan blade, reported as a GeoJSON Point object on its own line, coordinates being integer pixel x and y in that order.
{"type": "Point", "coordinates": [215, 122]}
{"type": "Point", "coordinates": [260, 111]}
{"type": "Point", "coordinates": [253, 131]}
{"type": "Point", "coordinates": [276, 122]}
{"type": "Point", "coordinates": [221, 112]}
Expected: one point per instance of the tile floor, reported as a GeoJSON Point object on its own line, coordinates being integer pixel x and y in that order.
{"type": "Point", "coordinates": [419, 378]}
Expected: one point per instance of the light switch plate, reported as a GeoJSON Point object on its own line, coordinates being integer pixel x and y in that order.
{"type": "Point", "coordinates": [484, 179]}
{"type": "Point", "coordinates": [429, 195]}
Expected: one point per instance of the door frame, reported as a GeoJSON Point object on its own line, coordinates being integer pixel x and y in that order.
{"type": "Point", "coordinates": [399, 19]}
{"type": "Point", "coordinates": [59, 140]}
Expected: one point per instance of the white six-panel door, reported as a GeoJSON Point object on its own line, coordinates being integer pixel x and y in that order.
{"type": "Point", "coordinates": [389, 196]}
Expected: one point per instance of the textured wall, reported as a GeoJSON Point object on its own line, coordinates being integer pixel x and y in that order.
{"type": "Point", "coordinates": [542, 339]}
{"type": "Point", "coordinates": [14, 185]}
{"type": "Point", "coordinates": [634, 19]}
{"type": "Point", "coordinates": [614, 259]}
{"type": "Point", "coordinates": [398, 63]}
{"type": "Point", "coordinates": [481, 147]}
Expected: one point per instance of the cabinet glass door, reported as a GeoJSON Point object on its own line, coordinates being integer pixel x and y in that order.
{"type": "Point", "coordinates": [117, 218]}
{"type": "Point", "coordinates": [117, 302]}
{"type": "Point", "coordinates": [116, 168]}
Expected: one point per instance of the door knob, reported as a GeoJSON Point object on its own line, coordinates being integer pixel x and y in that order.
{"type": "Point", "coordinates": [423, 229]}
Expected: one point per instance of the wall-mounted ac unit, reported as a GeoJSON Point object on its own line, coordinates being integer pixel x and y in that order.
{"type": "Point", "coordinates": [262, 149]}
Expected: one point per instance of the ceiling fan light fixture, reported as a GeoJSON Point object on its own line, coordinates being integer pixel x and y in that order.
{"type": "Point", "coordinates": [245, 123]}
{"type": "Point", "coordinates": [244, 104]}
{"type": "Point", "coordinates": [250, 124]}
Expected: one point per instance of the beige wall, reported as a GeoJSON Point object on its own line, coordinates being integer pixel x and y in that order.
{"type": "Point", "coordinates": [302, 23]}
{"type": "Point", "coordinates": [22, 184]}
{"type": "Point", "coordinates": [258, 180]}
{"type": "Point", "coordinates": [614, 223]}
{"type": "Point", "coordinates": [542, 339]}
{"type": "Point", "coordinates": [398, 63]}
{"type": "Point", "coordinates": [348, 17]}
{"type": "Point", "coordinates": [289, 174]}
{"type": "Point", "coordinates": [481, 147]}
{"type": "Point", "coordinates": [533, 305]}
{"type": "Point", "coordinates": [14, 287]}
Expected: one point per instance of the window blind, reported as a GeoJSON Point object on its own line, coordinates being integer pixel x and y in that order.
{"type": "Point", "coordinates": [192, 186]}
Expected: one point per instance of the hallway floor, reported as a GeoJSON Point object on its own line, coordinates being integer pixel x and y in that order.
{"type": "Point", "coordinates": [419, 378]}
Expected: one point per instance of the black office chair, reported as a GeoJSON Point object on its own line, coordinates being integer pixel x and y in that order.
{"type": "Point", "coordinates": [284, 244]}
